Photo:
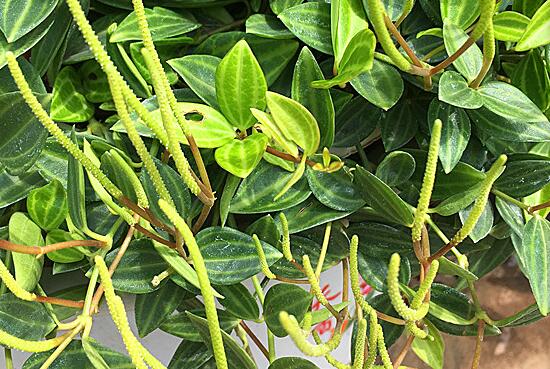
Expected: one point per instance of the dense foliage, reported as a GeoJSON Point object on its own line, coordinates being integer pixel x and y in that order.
{"type": "Point", "coordinates": [214, 157]}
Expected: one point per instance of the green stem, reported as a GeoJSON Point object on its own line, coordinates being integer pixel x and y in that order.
{"type": "Point", "coordinates": [324, 249]}
{"type": "Point", "coordinates": [270, 337]}
{"type": "Point", "coordinates": [9, 359]}
{"type": "Point", "coordinates": [510, 199]}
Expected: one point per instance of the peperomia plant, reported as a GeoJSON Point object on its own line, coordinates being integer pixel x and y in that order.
{"type": "Point", "coordinates": [186, 152]}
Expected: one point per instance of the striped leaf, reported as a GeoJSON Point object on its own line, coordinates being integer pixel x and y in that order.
{"type": "Point", "coordinates": [469, 63]}
{"type": "Point", "coordinates": [179, 265]}
{"type": "Point", "coordinates": [532, 78]}
{"type": "Point", "coordinates": [527, 7]}
{"type": "Point", "coordinates": [255, 193]}
{"type": "Point", "coordinates": [382, 86]}
{"type": "Point", "coordinates": [277, 6]}
{"type": "Point", "coordinates": [317, 101]}
{"type": "Point", "coordinates": [381, 240]}
{"type": "Point", "coordinates": [453, 204]}
{"type": "Point", "coordinates": [137, 267]}
{"type": "Point", "coordinates": [19, 17]}
{"type": "Point", "coordinates": [23, 137]}
{"type": "Point", "coordinates": [399, 125]}
{"type": "Point", "coordinates": [94, 82]}
{"type": "Point", "coordinates": [510, 26]}
{"type": "Point", "coordinates": [455, 132]}
{"type": "Point", "coordinates": [534, 256]}
{"type": "Point", "coordinates": [311, 213]}
{"type": "Point", "coordinates": [508, 101]}
{"type": "Point", "coordinates": [239, 301]}
{"type": "Point", "coordinates": [431, 351]}
{"type": "Point", "coordinates": [240, 157]}
{"type": "Point", "coordinates": [273, 55]}
{"type": "Point", "coordinates": [53, 161]}
{"type": "Point", "coordinates": [28, 268]}
{"type": "Point", "coordinates": [526, 316]}
{"type": "Point", "coordinates": [24, 319]}
{"type": "Point", "coordinates": [74, 356]}
{"type": "Point", "coordinates": [524, 177]}
{"type": "Point", "coordinates": [153, 308]}
{"type": "Point", "coordinates": [15, 188]}
{"type": "Point", "coordinates": [294, 121]}
{"type": "Point", "coordinates": [180, 325]}
{"type": "Point", "coordinates": [68, 102]}
{"type": "Point", "coordinates": [382, 198]}
{"type": "Point", "coordinates": [454, 90]}
{"type": "Point", "coordinates": [511, 214]}
{"type": "Point", "coordinates": [310, 22]}
{"type": "Point", "coordinates": [190, 355]}
{"type": "Point", "coordinates": [240, 85]}
{"type": "Point", "coordinates": [230, 256]}
{"type": "Point", "coordinates": [163, 23]}
{"type": "Point", "coordinates": [538, 30]}
{"type": "Point", "coordinates": [335, 190]}
{"type": "Point", "coordinates": [462, 13]}
{"type": "Point", "coordinates": [355, 121]}
{"type": "Point", "coordinates": [292, 363]}
{"type": "Point", "coordinates": [285, 297]}
{"type": "Point", "coordinates": [237, 358]}
{"type": "Point", "coordinates": [396, 168]}
{"type": "Point", "coordinates": [347, 19]}
{"type": "Point", "coordinates": [484, 223]}
{"type": "Point", "coordinates": [199, 72]}
{"type": "Point", "coordinates": [47, 206]}
{"type": "Point", "coordinates": [267, 26]}
{"type": "Point", "coordinates": [7, 84]}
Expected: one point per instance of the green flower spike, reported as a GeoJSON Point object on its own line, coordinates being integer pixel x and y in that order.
{"type": "Point", "coordinates": [204, 282]}
{"type": "Point", "coordinates": [491, 176]}
{"type": "Point", "coordinates": [313, 281]}
{"type": "Point", "coordinates": [286, 238]}
{"type": "Point", "coordinates": [142, 200]}
{"type": "Point", "coordinates": [292, 327]}
{"type": "Point", "coordinates": [425, 285]}
{"type": "Point", "coordinates": [402, 309]}
{"type": "Point", "coordinates": [427, 183]}
{"type": "Point", "coordinates": [386, 361]}
{"type": "Point", "coordinates": [328, 357]}
{"type": "Point", "coordinates": [13, 286]}
{"type": "Point", "coordinates": [373, 339]}
{"type": "Point", "coordinates": [263, 261]}
{"type": "Point", "coordinates": [359, 358]}
{"type": "Point", "coordinates": [415, 331]}
{"type": "Point", "coordinates": [486, 12]}
{"type": "Point", "coordinates": [488, 53]}
{"type": "Point", "coordinates": [354, 276]}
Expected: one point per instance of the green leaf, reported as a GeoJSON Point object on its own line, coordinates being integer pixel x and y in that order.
{"type": "Point", "coordinates": [531, 77]}
{"type": "Point", "coordinates": [317, 101]}
{"type": "Point", "coordinates": [510, 26]}
{"type": "Point", "coordinates": [52, 162]}
{"type": "Point", "coordinates": [469, 63]}
{"type": "Point", "coordinates": [68, 102]}
{"type": "Point", "coordinates": [381, 240]}
{"type": "Point", "coordinates": [534, 256]}
{"type": "Point", "coordinates": [430, 351]}
{"type": "Point", "coordinates": [290, 362]}
{"type": "Point", "coordinates": [153, 308]}
{"type": "Point", "coordinates": [7, 84]}
{"type": "Point", "coordinates": [18, 18]}
{"type": "Point", "coordinates": [310, 22]}
{"type": "Point", "coordinates": [231, 184]}
{"type": "Point", "coordinates": [382, 86]}
{"type": "Point", "coordinates": [47, 206]}
{"type": "Point", "coordinates": [459, 12]}
{"type": "Point", "coordinates": [382, 198]}
{"type": "Point", "coordinates": [24, 319]}
{"type": "Point", "coordinates": [94, 82]}
{"type": "Point", "coordinates": [374, 270]}
{"type": "Point", "coordinates": [239, 301]}
{"type": "Point", "coordinates": [28, 268]}
{"type": "Point", "coordinates": [511, 214]}
{"type": "Point", "coordinates": [454, 90]}
{"type": "Point", "coordinates": [294, 121]}
{"type": "Point", "coordinates": [348, 18]}
{"type": "Point", "coordinates": [190, 355]}
{"type": "Point", "coordinates": [93, 355]}
{"type": "Point", "coordinates": [399, 125]}
{"type": "Point", "coordinates": [484, 223]}
{"type": "Point", "coordinates": [524, 177]}
{"type": "Point", "coordinates": [455, 132]}
{"type": "Point", "coordinates": [335, 190]}
{"type": "Point", "coordinates": [355, 122]}
{"type": "Point", "coordinates": [277, 6]}
{"type": "Point", "coordinates": [396, 168]}
{"type": "Point", "coordinates": [237, 358]}
{"type": "Point", "coordinates": [453, 204]}
{"type": "Point", "coordinates": [70, 255]}
{"type": "Point", "coordinates": [118, 170]}
{"type": "Point", "coordinates": [240, 157]}
{"type": "Point", "coordinates": [137, 267]}
{"type": "Point", "coordinates": [163, 23]}
{"type": "Point", "coordinates": [538, 30]}
{"type": "Point", "coordinates": [311, 213]}
{"type": "Point", "coordinates": [23, 137]}
{"type": "Point", "coordinates": [527, 7]}
{"type": "Point", "coordinates": [240, 85]}
{"type": "Point", "coordinates": [74, 356]}
{"type": "Point", "coordinates": [526, 316]}
{"type": "Point", "coordinates": [273, 55]}
{"type": "Point", "coordinates": [256, 192]}
{"type": "Point", "coordinates": [508, 101]}
{"type": "Point", "coordinates": [199, 72]}
{"type": "Point", "coordinates": [13, 189]}
{"type": "Point", "coordinates": [285, 297]}
{"type": "Point", "coordinates": [180, 325]}
{"type": "Point", "coordinates": [230, 256]}
{"type": "Point", "coordinates": [267, 26]}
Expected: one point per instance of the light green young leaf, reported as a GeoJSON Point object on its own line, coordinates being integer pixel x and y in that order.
{"type": "Point", "coordinates": [47, 206]}
{"type": "Point", "coordinates": [267, 26]}
{"type": "Point", "coordinates": [68, 102]}
{"type": "Point", "coordinates": [462, 13]}
{"type": "Point", "coordinates": [510, 26]}
{"type": "Point", "coordinates": [347, 19]}
{"type": "Point", "coordinates": [538, 30]}
{"type": "Point", "coordinates": [240, 157]}
{"type": "Point", "coordinates": [430, 352]}
{"type": "Point", "coordinates": [469, 63]}
{"type": "Point", "coordinates": [484, 223]}
{"type": "Point", "coordinates": [277, 6]}
{"type": "Point", "coordinates": [454, 90]}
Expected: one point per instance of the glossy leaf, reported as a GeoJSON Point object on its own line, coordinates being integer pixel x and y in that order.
{"type": "Point", "coordinates": [163, 23]}
{"type": "Point", "coordinates": [240, 157]}
{"type": "Point", "coordinates": [510, 26]}
{"type": "Point", "coordinates": [460, 13]}
{"type": "Point", "coordinates": [382, 198]}
{"type": "Point", "coordinates": [317, 101]}
{"type": "Point", "coordinates": [24, 319]}
{"type": "Point", "coordinates": [396, 168]}
{"type": "Point", "coordinates": [398, 125]}
{"type": "Point", "coordinates": [285, 297]}
{"type": "Point", "coordinates": [454, 90]}
{"type": "Point", "coordinates": [526, 316]}
{"type": "Point", "coordinates": [273, 55]}
{"type": "Point", "coordinates": [190, 355]}
{"type": "Point", "coordinates": [29, 15]}
{"type": "Point", "coordinates": [277, 6]}
{"type": "Point", "coordinates": [430, 351]}
{"type": "Point", "coordinates": [524, 177]}
{"type": "Point", "coordinates": [484, 223]}
{"type": "Point", "coordinates": [70, 255]}
{"type": "Point", "coordinates": [239, 301]}
{"type": "Point", "coordinates": [335, 190]}
{"type": "Point", "coordinates": [68, 102]}
{"type": "Point", "coordinates": [267, 26]}
{"type": "Point", "coordinates": [348, 18]}
{"type": "Point", "coordinates": [538, 30]}
{"type": "Point", "coordinates": [230, 256]}
{"type": "Point", "coordinates": [382, 86]}
{"type": "Point", "coordinates": [240, 85]}
{"type": "Point", "coordinates": [310, 22]}
{"type": "Point", "coordinates": [531, 77]}
{"type": "Point", "coordinates": [28, 268]}
{"type": "Point", "coordinates": [469, 63]}
{"type": "Point", "coordinates": [311, 213]}
{"type": "Point", "coordinates": [292, 363]}
{"type": "Point", "coordinates": [47, 206]}
{"type": "Point", "coordinates": [180, 325]}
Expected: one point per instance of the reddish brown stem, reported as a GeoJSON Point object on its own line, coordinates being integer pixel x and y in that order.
{"type": "Point", "coordinates": [145, 214]}
{"type": "Point", "coordinates": [445, 63]}
{"type": "Point", "coordinates": [406, 347]}
{"type": "Point", "coordinates": [442, 251]}
{"type": "Point", "coordinates": [155, 237]}
{"type": "Point", "coordinates": [202, 218]}
{"type": "Point", "coordinates": [288, 157]}
{"type": "Point", "coordinates": [292, 281]}
{"type": "Point", "coordinates": [256, 340]}
{"type": "Point", "coordinates": [41, 250]}
{"type": "Point", "coordinates": [479, 341]}
{"type": "Point", "coordinates": [538, 207]}
{"type": "Point", "coordinates": [61, 302]}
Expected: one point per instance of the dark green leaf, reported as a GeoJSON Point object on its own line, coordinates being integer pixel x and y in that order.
{"type": "Point", "coordinates": [239, 301]}
{"type": "Point", "coordinates": [18, 18]}
{"type": "Point", "coordinates": [180, 325]}
{"type": "Point", "coordinates": [398, 126]}
{"type": "Point", "coordinates": [285, 297]}
{"type": "Point", "coordinates": [382, 85]}
{"type": "Point", "coordinates": [24, 319]}
{"type": "Point", "coordinates": [524, 177]}
{"type": "Point", "coordinates": [531, 77]}
{"type": "Point", "coordinates": [311, 213]}
{"type": "Point", "coordinates": [267, 26]}
{"type": "Point", "coordinates": [526, 316]}
{"type": "Point", "coordinates": [292, 363]}
{"type": "Point", "coordinates": [310, 22]}
{"type": "Point", "coordinates": [190, 355]}
{"type": "Point", "coordinates": [199, 72]}
{"type": "Point", "coordinates": [335, 190]}
{"type": "Point", "coordinates": [396, 168]}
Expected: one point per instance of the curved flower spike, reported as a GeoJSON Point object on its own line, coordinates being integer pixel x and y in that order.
{"type": "Point", "coordinates": [354, 276]}
{"type": "Point", "coordinates": [13, 286]}
{"type": "Point", "coordinates": [286, 238]}
{"type": "Point", "coordinates": [486, 12]}
{"type": "Point", "coordinates": [261, 255]}
{"type": "Point", "coordinates": [313, 281]}
{"type": "Point", "coordinates": [359, 358]}
{"type": "Point", "coordinates": [373, 339]}
{"type": "Point", "coordinates": [425, 285]}
{"type": "Point", "coordinates": [292, 327]}
{"type": "Point", "coordinates": [8, 340]}
{"type": "Point", "coordinates": [386, 361]}
{"type": "Point", "coordinates": [415, 331]}
{"type": "Point", "coordinates": [402, 309]}
{"type": "Point", "coordinates": [427, 183]}
{"type": "Point", "coordinates": [328, 357]}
